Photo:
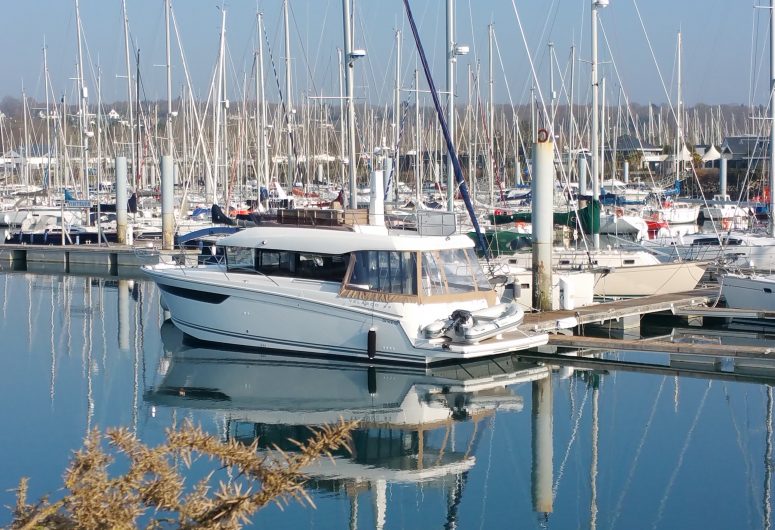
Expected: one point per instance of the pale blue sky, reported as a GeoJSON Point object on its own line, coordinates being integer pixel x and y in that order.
{"type": "Point", "coordinates": [717, 37]}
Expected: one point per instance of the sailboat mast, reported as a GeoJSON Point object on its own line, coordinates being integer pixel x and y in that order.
{"type": "Point", "coordinates": [490, 113]}
{"type": "Point", "coordinates": [288, 100]}
{"type": "Point", "coordinates": [396, 118]}
{"type": "Point", "coordinates": [771, 227]}
{"type": "Point", "coordinates": [595, 123]}
{"type": "Point", "coordinates": [83, 105]}
{"type": "Point", "coordinates": [450, 100]}
{"type": "Point", "coordinates": [48, 182]}
{"type": "Point", "coordinates": [169, 78]}
{"type": "Point", "coordinates": [679, 114]}
{"type": "Point", "coordinates": [349, 83]}
{"type": "Point", "coordinates": [129, 87]}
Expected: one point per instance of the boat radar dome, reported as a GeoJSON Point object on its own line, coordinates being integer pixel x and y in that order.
{"type": "Point", "coordinates": [600, 3]}
{"type": "Point", "coordinates": [357, 54]}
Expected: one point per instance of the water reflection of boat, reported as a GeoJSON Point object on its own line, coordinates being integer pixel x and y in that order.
{"type": "Point", "coordinates": [415, 424]}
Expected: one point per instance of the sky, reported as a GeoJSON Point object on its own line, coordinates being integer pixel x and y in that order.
{"type": "Point", "coordinates": [723, 42]}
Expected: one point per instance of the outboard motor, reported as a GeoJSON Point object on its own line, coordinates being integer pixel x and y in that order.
{"type": "Point", "coordinates": [461, 319]}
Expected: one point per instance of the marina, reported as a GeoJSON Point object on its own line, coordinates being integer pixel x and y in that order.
{"type": "Point", "coordinates": [546, 308]}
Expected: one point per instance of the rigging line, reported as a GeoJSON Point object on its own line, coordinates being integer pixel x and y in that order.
{"type": "Point", "coordinates": [303, 50]}
{"type": "Point", "coordinates": [573, 435]}
{"type": "Point", "coordinates": [637, 132]}
{"type": "Point", "coordinates": [636, 457]}
{"type": "Point", "coordinates": [681, 456]}
{"type": "Point", "coordinates": [744, 454]}
{"type": "Point", "coordinates": [284, 106]}
{"type": "Point", "coordinates": [458, 171]}
{"type": "Point", "coordinates": [563, 175]}
{"type": "Point", "coordinates": [487, 470]}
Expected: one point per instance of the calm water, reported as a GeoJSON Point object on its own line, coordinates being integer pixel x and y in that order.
{"type": "Point", "coordinates": [491, 445]}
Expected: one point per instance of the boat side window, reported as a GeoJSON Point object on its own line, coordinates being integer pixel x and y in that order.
{"type": "Point", "coordinates": [452, 271]}
{"type": "Point", "coordinates": [325, 267]}
{"type": "Point", "coordinates": [384, 271]}
{"type": "Point", "coordinates": [240, 259]}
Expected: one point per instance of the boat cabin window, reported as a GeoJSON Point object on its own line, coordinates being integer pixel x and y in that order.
{"type": "Point", "coordinates": [396, 276]}
{"type": "Point", "coordinates": [452, 272]}
{"type": "Point", "coordinates": [240, 259]}
{"type": "Point", "coordinates": [385, 272]}
{"type": "Point", "coordinates": [324, 267]}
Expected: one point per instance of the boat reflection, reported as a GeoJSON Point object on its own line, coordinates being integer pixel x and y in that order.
{"type": "Point", "coordinates": [415, 424]}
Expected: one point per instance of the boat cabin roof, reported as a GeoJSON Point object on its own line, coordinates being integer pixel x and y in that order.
{"type": "Point", "coordinates": [327, 241]}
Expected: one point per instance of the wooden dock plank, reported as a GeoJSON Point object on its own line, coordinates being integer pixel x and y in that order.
{"type": "Point", "coordinates": [548, 320]}
{"type": "Point", "coordinates": [710, 350]}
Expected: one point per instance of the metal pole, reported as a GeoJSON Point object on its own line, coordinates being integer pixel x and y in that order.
{"type": "Point", "coordinates": [263, 125]}
{"type": "Point", "coordinates": [542, 186]}
{"type": "Point", "coordinates": [288, 98]}
{"type": "Point", "coordinates": [129, 88]}
{"type": "Point", "coordinates": [396, 119]}
{"type": "Point", "coordinates": [349, 82]}
{"type": "Point", "coordinates": [169, 79]}
{"type": "Point", "coordinates": [121, 199]}
{"type": "Point", "coordinates": [490, 118]}
{"type": "Point", "coordinates": [771, 227]}
{"type": "Point", "coordinates": [167, 203]}
{"type": "Point", "coordinates": [418, 156]}
{"type": "Point", "coordinates": [595, 130]}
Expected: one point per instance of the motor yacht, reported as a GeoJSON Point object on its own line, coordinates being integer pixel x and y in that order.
{"type": "Point", "coordinates": [347, 290]}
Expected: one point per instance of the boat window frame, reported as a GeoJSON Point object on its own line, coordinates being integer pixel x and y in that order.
{"type": "Point", "coordinates": [360, 292]}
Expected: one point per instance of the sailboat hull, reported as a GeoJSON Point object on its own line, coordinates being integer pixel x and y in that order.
{"type": "Point", "coordinates": [648, 280]}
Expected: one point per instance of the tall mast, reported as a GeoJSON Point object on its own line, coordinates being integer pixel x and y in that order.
{"type": "Point", "coordinates": [169, 78]}
{"type": "Point", "coordinates": [679, 113]}
{"type": "Point", "coordinates": [450, 100]}
{"type": "Point", "coordinates": [129, 87]}
{"type": "Point", "coordinates": [219, 107]}
{"type": "Point", "coordinates": [490, 115]}
{"type": "Point", "coordinates": [596, 4]}
{"type": "Point", "coordinates": [26, 159]}
{"type": "Point", "coordinates": [261, 104]}
{"type": "Point", "coordinates": [341, 112]}
{"type": "Point", "coordinates": [48, 117]}
{"type": "Point", "coordinates": [771, 228]}
{"type": "Point", "coordinates": [396, 118]}
{"type": "Point", "coordinates": [288, 99]}
{"type": "Point", "coordinates": [83, 93]}
{"type": "Point", "coordinates": [417, 159]}
{"type": "Point", "coordinates": [349, 82]}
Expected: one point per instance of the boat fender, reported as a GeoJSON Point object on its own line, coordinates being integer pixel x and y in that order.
{"type": "Point", "coordinates": [516, 290]}
{"type": "Point", "coordinates": [372, 343]}
{"type": "Point", "coordinates": [371, 380]}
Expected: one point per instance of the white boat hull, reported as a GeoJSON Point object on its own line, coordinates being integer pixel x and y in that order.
{"type": "Point", "coordinates": [309, 317]}
{"type": "Point", "coordinates": [648, 280]}
{"type": "Point", "coordinates": [749, 292]}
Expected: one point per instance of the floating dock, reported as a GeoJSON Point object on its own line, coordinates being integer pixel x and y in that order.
{"type": "Point", "coordinates": [621, 314]}
{"type": "Point", "coordinates": [112, 257]}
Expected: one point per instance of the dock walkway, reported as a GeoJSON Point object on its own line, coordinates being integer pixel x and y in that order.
{"type": "Point", "coordinates": [624, 313]}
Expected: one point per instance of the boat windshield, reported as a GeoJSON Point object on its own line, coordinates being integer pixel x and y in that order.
{"type": "Point", "coordinates": [452, 271]}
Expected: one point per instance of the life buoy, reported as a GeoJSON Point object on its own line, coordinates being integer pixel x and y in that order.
{"type": "Point", "coordinates": [543, 135]}
{"type": "Point", "coordinates": [618, 212]}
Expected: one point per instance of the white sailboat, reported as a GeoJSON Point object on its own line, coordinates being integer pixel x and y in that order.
{"type": "Point", "coordinates": [755, 291]}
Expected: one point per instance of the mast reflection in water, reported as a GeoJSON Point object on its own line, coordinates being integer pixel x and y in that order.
{"type": "Point", "coordinates": [483, 445]}
{"type": "Point", "coordinates": [414, 425]}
